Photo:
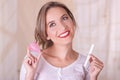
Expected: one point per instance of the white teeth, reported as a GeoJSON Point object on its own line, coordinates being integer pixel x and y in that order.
{"type": "Point", "coordinates": [64, 34]}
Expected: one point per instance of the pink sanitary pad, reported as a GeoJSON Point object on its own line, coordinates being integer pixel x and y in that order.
{"type": "Point", "coordinates": [34, 49]}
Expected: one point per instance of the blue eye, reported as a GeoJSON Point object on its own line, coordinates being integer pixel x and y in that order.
{"type": "Point", "coordinates": [52, 25]}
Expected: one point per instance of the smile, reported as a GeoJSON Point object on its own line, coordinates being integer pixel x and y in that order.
{"type": "Point", "coordinates": [64, 34]}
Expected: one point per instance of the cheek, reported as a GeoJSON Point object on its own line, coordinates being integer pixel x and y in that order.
{"type": "Point", "coordinates": [51, 33]}
{"type": "Point", "coordinates": [70, 23]}
{"type": "Point", "coordinates": [71, 26]}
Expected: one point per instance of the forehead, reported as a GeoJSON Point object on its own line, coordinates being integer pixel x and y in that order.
{"type": "Point", "coordinates": [55, 12]}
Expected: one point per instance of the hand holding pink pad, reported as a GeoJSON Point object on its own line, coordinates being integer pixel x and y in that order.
{"type": "Point", "coordinates": [34, 49]}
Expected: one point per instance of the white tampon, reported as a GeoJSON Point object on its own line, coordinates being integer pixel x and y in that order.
{"type": "Point", "coordinates": [88, 57]}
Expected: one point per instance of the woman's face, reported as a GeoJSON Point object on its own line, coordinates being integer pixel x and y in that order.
{"type": "Point", "coordinates": [59, 25]}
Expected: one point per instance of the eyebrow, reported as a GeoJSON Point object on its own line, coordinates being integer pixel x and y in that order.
{"type": "Point", "coordinates": [64, 15]}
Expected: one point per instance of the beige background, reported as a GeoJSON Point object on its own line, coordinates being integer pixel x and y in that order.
{"type": "Point", "coordinates": [98, 22]}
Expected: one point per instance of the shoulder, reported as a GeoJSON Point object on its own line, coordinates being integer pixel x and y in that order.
{"type": "Point", "coordinates": [81, 58]}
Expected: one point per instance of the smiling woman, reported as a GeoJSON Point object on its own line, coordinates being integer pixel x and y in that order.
{"type": "Point", "coordinates": [40, 31]}
{"type": "Point", "coordinates": [57, 60]}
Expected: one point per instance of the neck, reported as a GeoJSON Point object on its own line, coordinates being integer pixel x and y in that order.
{"type": "Point", "coordinates": [62, 52]}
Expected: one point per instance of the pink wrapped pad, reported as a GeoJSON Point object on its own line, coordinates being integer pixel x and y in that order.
{"type": "Point", "coordinates": [34, 47]}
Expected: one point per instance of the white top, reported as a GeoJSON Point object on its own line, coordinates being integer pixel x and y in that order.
{"type": "Point", "coordinates": [46, 71]}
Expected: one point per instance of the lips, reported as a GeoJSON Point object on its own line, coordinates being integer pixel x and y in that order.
{"type": "Point", "coordinates": [64, 34]}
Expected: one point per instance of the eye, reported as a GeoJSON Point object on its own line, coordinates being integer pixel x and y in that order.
{"type": "Point", "coordinates": [65, 18]}
{"type": "Point", "coordinates": [52, 24]}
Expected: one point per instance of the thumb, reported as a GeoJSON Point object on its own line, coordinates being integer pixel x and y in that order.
{"type": "Point", "coordinates": [28, 51]}
{"type": "Point", "coordinates": [91, 58]}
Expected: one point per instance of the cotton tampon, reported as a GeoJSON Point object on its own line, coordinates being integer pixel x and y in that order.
{"type": "Point", "coordinates": [88, 57]}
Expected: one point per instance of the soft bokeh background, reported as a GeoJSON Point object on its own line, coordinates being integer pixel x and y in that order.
{"type": "Point", "coordinates": [98, 22]}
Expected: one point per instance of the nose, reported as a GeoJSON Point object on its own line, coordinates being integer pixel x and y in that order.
{"type": "Point", "coordinates": [62, 26]}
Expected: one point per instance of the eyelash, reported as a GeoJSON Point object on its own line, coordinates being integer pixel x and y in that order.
{"type": "Point", "coordinates": [65, 18]}
{"type": "Point", "coordinates": [52, 24]}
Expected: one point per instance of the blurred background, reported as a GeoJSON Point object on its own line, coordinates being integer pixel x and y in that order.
{"type": "Point", "coordinates": [98, 22]}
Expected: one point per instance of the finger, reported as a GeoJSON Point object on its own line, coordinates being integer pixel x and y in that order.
{"type": "Point", "coordinates": [98, 62]}
{"type": "Point", "coordinates": [30, 55]}
{"type": "Point", "coordinates": [92, 56]}
{"type": "Point", "coordinates": [95, 69]}
{"type": "Point", "coordinates": [97, 65]}
{"type": "Point", "coordinates": [28, 61]}
{"type": "Point", "coordinates": [95, 58]}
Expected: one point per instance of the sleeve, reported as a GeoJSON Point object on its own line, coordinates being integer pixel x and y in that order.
{"type": "Point", "coordinates": [22, 72]}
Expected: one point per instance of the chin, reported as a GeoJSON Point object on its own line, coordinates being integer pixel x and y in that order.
{"type": "Point", "coordinates": [66, 42]}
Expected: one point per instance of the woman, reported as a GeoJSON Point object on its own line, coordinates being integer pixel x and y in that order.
{"type": "Point", "coordinates": [54, 32]}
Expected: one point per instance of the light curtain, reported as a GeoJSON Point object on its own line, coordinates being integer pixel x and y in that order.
{"type": "Point", "coordinates": [99, 23]}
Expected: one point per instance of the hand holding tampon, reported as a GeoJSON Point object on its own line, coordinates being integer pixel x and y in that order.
{"type": "Point", "coordinates": [95, 65]}
{"type": "Point", "coordinates": [88, 57]}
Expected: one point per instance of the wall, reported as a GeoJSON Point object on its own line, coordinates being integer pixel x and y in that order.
{"type": "Point", "coordinates": [8, 40]}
